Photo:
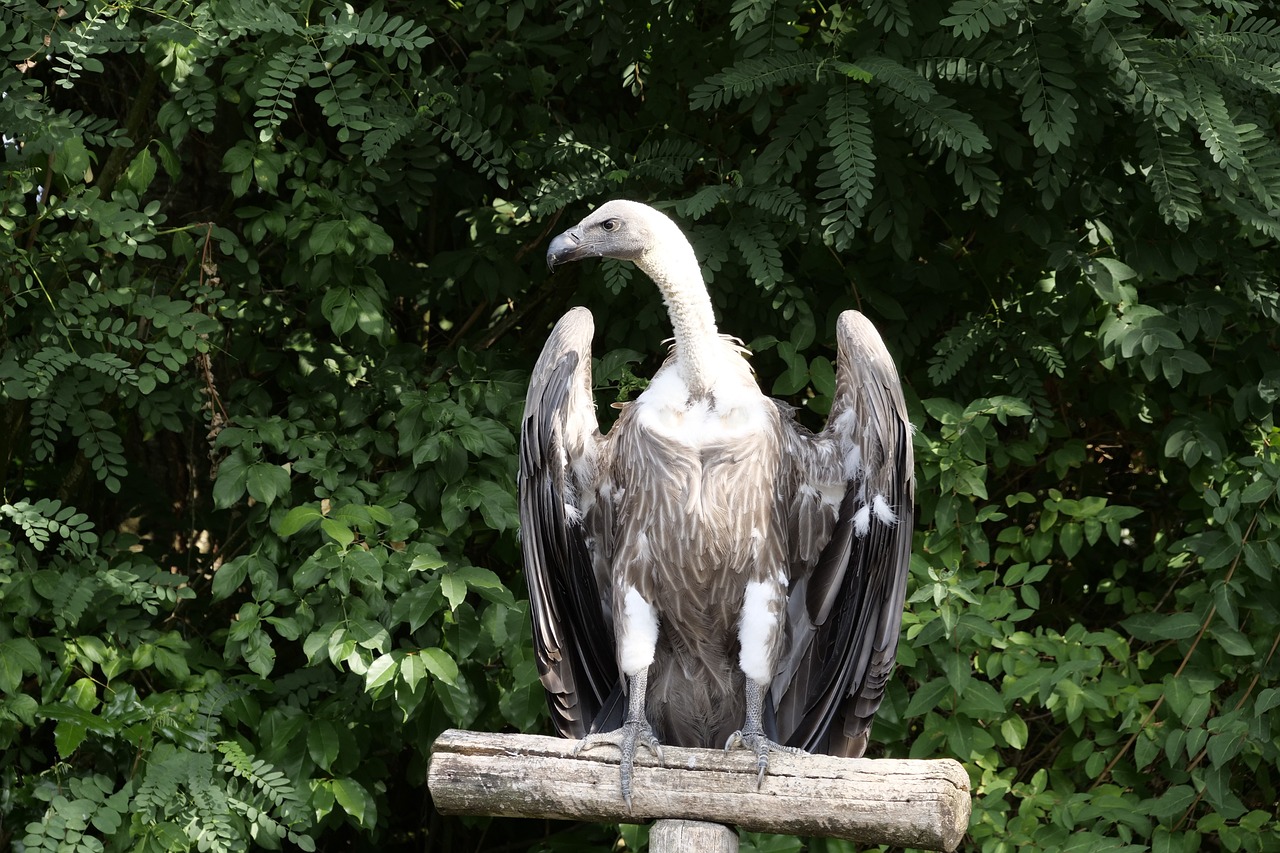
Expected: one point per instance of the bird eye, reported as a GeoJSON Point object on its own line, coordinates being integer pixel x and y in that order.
{"type": "Point", "coordinates": [609, 225]}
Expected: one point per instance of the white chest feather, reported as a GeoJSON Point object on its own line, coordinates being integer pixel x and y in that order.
{"type": "Point", "coordinates": [734, 408]}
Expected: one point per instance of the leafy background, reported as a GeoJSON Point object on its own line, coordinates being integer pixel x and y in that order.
{"type": "Point", "coordinates": [272, 284]}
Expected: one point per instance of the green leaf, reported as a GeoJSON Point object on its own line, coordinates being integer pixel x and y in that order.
{"type": "Point", "coordinates": [1267, 699]}
{"type": "Point", "coordinates": [1226, 746]}
{"type": "Point", "coordinates": [337, 531]}
{"type": "Point", "coordinates": [973, 18]}
{"type": "Point", "coordinates": [943, 410]}
{"type": "Point", "coordinates": [365, 566]}
{"type": "Point", "coordinates": [1118, 269]}
{"type": "Point", "coordinates": [418, 605]}
{"type": "Point", "coordinates": [1178, 693]}
{"type": "Point", "coordinates": [847, 169]}
{"type": "Point", "coordinates": [1217, 548]}
{"type": "Point", "coordinates": [1173, 802]}
{"type": "Point", "coordinates": [971, 480]}
{"type": "Point", "coordinates": [457, 502]}
{"type": "Point", "coordinates": [1071, 537]}
{"type": "Point", "coordinates": [259, 653]}
{"type": "Point", "coordinates": [454, 587]}
{"type": "Point", "coordinates": [440, 665]}
{"type": "Point", "coordinates": [140, 171]}
{"type": "Point", "coordinates": [298, 518]}
{"type": "Point", "coordinates": [265, 482]}
{"type": "Point", "coordinates": [1048, 106]}
{"type": "Point", "coordinates": [1155, 626]}
{"type": "Point", "coordinates": [428, 559]}
{"type": "Point", "coordinates": [927, 697]}
{"type": "Point", "coordinates": [412, 671]}
{"type": "Point", "coordinates": [750, 76]}
{"type": "Point", "coordinates": [822, 374]}
{"type": "Point", "coordinates": [17, 656]}
{"type": "Point", "coordinates": [796, 376]}
{"type": "Point", "coordinates": [1014, 732]}
{"type": "Point", "coordinates": [1145, 750]}
{"type": "Point", "coordinates": [94, 649]}
{"type": "Point", "coordinates": [1232, 642]}
{"type": "Point", "coordinates": [460, 701]}
{"type": "Point", "coordinates": [341, 308]}
{"type": "Point", "coordinates": [229, 576]}
{"type": "Point", "coordinates": [67, 736]}
{"type": "Point", "coordinates": [230, 485]}
{"type": "Point", "coordinates": [981, 701]}
{"type": "Point", "coordinates": [83, 693]}
{"type": "Point", "coordinates": [523, 706]}
{"type": "Point", "coordinates": [1259, 491]}
{"type": "Point", "coordinates": [483, 581]}
{"type": "Point", "coordinates": [497, 505]}
{"type": "Point", "coordinates": [354, 799]}
{"type": "Point", "coordinates": [1219, 133]}
{"type": "Point", "coordinates": [238, 158]}
{"type": "Point", "coordinates": [381, 672]}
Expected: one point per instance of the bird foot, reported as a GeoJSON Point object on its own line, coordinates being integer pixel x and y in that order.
{"type": "Point", "coordinates": [754, 739]}
{"type": "Point", "coordinates": [628, 739]}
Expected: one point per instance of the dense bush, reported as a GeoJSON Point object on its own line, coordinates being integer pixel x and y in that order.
{"type": "Point", "coordinates": [272, 283]}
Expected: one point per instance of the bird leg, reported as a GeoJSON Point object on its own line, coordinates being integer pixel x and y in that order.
{"type": "Point", "coordinates": [751, 735]}
{"type": "Point", "coordinates": [634, 733]}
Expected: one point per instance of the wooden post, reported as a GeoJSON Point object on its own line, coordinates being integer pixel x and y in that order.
{"type": "Point", "coordinates": [671, 835]}
{"type": "Point", "coordinates": [907, 803]}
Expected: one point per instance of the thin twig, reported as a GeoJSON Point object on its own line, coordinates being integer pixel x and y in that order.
{"type": "Point", "coordinates": [1204, 626]}
{"type": "Point", "coordinates": [466, 326]}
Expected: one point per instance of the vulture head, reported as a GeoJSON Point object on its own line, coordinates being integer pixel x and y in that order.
{"type": "Point", "coordinates": [625, 230]}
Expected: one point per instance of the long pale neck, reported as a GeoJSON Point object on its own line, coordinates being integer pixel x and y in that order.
{"type": "Point", "coordinates": [675, 270]}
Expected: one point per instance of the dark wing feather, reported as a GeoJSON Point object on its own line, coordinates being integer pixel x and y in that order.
{"type": "Point", "coordinates": [845, 610]}
{"type": "Point", "coordinates": [561, 455]}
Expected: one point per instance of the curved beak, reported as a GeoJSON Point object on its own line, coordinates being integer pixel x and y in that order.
{"type": "Point", "coordinates": [568, 247]}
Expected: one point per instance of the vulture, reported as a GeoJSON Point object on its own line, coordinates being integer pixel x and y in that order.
{"type": "Point", "coordinates": [709, 572]}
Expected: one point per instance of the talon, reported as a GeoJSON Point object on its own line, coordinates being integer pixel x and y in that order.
{"type": "Point", "coordinates": [628, 739]}
{"type": "Point", "coordinates": [756, 741]}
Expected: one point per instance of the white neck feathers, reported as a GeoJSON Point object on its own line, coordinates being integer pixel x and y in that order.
{"type": "Point", "coordinates": [673, 266]}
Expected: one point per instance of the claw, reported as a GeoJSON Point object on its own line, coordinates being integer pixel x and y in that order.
{"type": "Point", "coordinates": [755, 740]}
{"type": "Point", "coordinates": [751, 735]}
{"type": "Point", "coordinates": [632, 735]}
{"type": "Point", "coordinates": [634, 732]}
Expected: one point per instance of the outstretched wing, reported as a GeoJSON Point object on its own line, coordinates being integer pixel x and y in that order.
{"type": "Point", "coordinates": [561, 457]}
{"type": "Point", "coordinates": [845, 608]}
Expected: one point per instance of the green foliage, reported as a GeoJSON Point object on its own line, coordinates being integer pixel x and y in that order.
{"type": "Point", "coordinates": [265, 325]}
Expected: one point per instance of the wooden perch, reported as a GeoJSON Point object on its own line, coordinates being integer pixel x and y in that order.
{"type": "Point", "coordinates": [909, 803]}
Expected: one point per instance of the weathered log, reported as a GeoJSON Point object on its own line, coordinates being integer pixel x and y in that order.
{"type": "Point", "coordinates": [909, 803]}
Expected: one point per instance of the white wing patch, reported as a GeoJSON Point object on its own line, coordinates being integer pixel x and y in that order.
{"type": "Point", "coordinates": [862, 520]}
{"type": "Point", "coordinates": [883, 511]}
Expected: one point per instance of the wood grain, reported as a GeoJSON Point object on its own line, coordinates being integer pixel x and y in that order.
{"type": "Point", "coordinates": [909, 803]}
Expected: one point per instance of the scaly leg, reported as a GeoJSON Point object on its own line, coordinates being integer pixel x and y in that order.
{"type": "Point", "coordinates": [635, 732]}
{"type": "Point", "coordinates": [751, 735]}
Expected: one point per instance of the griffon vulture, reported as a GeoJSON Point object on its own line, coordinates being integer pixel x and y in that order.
{"type": "Point", "coordinates": [709, 572]}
